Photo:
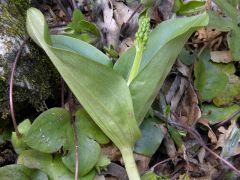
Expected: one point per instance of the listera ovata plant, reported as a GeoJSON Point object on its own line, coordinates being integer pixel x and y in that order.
{"type": "Point", "coordinates": [117, 105]}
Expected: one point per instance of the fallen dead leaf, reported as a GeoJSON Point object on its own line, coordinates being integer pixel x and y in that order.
{"type": "Point", "coordinates": [223, 136]}
{"type": "Point", "coordinates": [112, 152]}
{"type": "Point", "coordinates": [211, 134]}
{"type": "Point", "coordinates": [122, 14]}
{"type": "Point", "coordinates": [142, 162]}
{"type": "Point", "coordinates": [229, 141]}
{"type": "Point", "coordinates": [201, 155]}
{"type": "Point", "coordinates": [221, 56]}
{"type": "Point", "coordinates": [112, 30]}
{"type": "Point", "coordinates": [188, 106]}
{"type": "Point", "coordinates": [170, 146]}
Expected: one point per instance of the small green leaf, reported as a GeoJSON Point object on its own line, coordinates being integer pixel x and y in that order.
{"type": "Point", "coordinates": [102, 163]}
{"type": "Point", "coordinates": [89, 27]}
{"type": "Point", "coordinates": [187, 57]}
{"type": "Point", "coordinates": [176, 136]}
{"type": "Point", "coordinates": [86, 126]}
{"type": "Point", "coordinates": [150, 175]}
{"type": "Point", "coordinates": [151, 139]}
{"type": "Point", "coordinates": [89, 153]}
{"type": "Point", "coordinates": [190, 7]}
{"type": "Point", "coordinates": [210, 80]}
{"type": "Point", "coordinates": [215, 114]}
{"type": "Point", "coordinates": [54, 168]}
{"type": "Point", "coordinates": [47, 133]}
{"type": "Point", "coordinates": [89, 176]}
{"type": "Point", "coordinates": [20, 172]}
{"type": "Point", "coordinates": [18, 143]}
{"type": "Point", "coordinates": [77, 16]}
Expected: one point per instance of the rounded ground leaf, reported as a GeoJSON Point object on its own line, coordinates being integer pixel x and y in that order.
{"type": "Point", "coordinates": [89, 153]}
{"type": "Point", "coordinates": [48, 132]}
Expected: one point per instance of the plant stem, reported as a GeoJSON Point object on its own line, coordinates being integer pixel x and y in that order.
{"type": "Point", "coordinates": [136, 65]}
{"type": "Point", "coordinates": [11, 104]}
{"type": "Point", "coordinates": [130, 164]}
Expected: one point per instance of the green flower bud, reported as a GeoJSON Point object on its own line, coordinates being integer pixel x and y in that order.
{"type": "Point", "coordinates": [143, 32]}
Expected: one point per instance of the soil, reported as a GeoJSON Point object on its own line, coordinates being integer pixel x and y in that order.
{"type": "Point", "coordinates": [7, 154]}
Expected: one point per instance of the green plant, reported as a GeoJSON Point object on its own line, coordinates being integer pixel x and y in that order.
{"type": "Point", "coordinates": [51, 133]}
{"type": "Point", "coordinates": [81, 29]}
{"type": "Point", "coordinates": [117, 107]}
{"type": "Point", "coordinates": [190, 7]}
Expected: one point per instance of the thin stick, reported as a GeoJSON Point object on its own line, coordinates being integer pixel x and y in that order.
{"type": "Point", "coordinates": [229, 118]}
{"type": "Point", "coordinates": [161, 162]}
{"type": "Point", "coordinates": [73, 122]}
{"type": "Point", "coordinates": [11, 104]}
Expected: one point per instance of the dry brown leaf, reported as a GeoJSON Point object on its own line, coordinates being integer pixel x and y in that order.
{"type": "Point", "coordinates": [188, 106]}
{"type": "Point", "coordinates": [224, 135]}
{"type": "Point", "coordinates": [170, 146]}
{"type": "Point", "coordinates": [201, 155]}
{"type": "Point", "coordinates": [112, 152]}
{"type": "Point", "coordinates": [142, 162]}
{"type": "Point", "coordinates": [182, 84]}
{"type": "Point", "coordinates": [221, 56]}
{"type": "Point", "coordinates": [122, 14]}
{"type": "Point", "coordinates": [184, 69]}
{"type": "Point", "coordinates": [109, 24]}
{"type": "Point", "coordinates": [206, 35]}
{"type": "Point", "coordinates": [211, 134]}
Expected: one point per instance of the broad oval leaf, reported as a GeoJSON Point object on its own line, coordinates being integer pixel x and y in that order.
{"type": "Point", "coordinates": [48, 131]}
{"type": "Point", "coordinates": [210, 78]}
{"type": "Point", "coordinates": [102, 92]}
{"type": "Point", "coordinates": [89, 153]}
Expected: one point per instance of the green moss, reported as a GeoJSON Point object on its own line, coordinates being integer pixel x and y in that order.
{"type": "Point", "coordinates": [34, 67]}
